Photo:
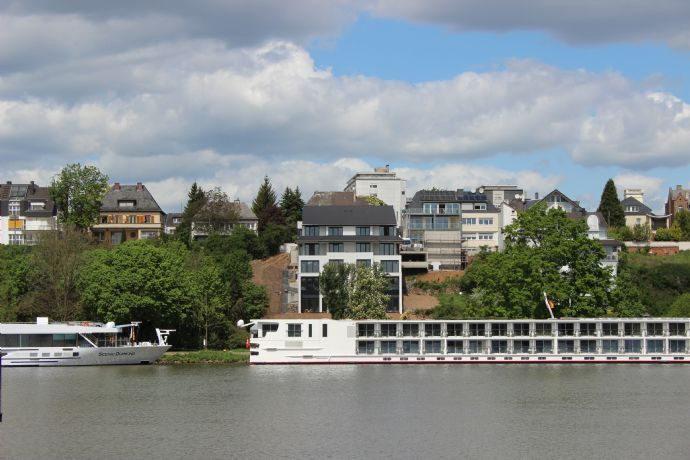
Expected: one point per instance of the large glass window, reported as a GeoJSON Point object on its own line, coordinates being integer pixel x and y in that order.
{"type": "Point", "coordinates": [543, 346]}
{"type": "Point", "coordinates": [455, 346]}
{"type": "Point", "coordinates": [632, 329]}
{"type": "Point", "coordinates": [499, 329]}
{"type": "Point", "coordinates": [309, 293]}
{"type": "Point", "coordinates": [676, 346]}
{"type": "Point", "coordinates": [609, 346]}
{"type": "Point", "coordinates": [294, 330]}
{"type": "Point", "coordinates": [520, 346]}
{"type": "Point", "coordinates": [476, 329]}
{"type": "Point", "coordinates": [454, 329]}
{"type": "Point", "coordinates": [268, 327]}
{"type": "Point", "coordinates": [486, 221]}
{"type": "Point", "coordinates": [365, 330]}
{"type": "Point", "coordinates": [387, 249]}
{"type": "Point", "coordinates": [310, 266]}
{"type": "Point", "coordinates": [365, 347]}
{"type": "Point", "coordinates": [655, 346]}
{"type": "Point", "coordinates": [362, 247]}
{"type": "Point", "coordinates": [410, 330]}
{"type": "Point", "coordinates": [432, 346]}
{"type": "Point", "coordinates": [432, 330]}
{"type": "Point", "coordinates": [386, 230]}
{"type": "Point", "coordinates": [336, 247]}
{"type": "Point", "coordinates": [676, 328]}
{"type": "Point", "coordinates": [521, 329]}
{"type": "Point", "coordinates": [542, 328]}
{"type": "Point", "coordinates": [410, 346]}
{"type": "Point", "coordinates": [430, 208]}
{"type": "Point", "coordinates": [566, 329]}
{"type": "Point", "coordinates": [566, 346]}
{"type": "Point", "coordinates": [609, 329]}
{"type": "Point", "coordinates": [390, 266]}
{"type": "Point", "coordinates": [311, 249]}
{"type": "Point", "coordinates": [9, 340]}
{"type": "Point", "coordinates": [588, 346]}
{"type": "Point", "coordinates": [469, 221]}
{"type": "Point", "coordinates": [335, 231]}
{"type": "Point", "coordinates": [389, 329]}
{"type": "Point", "coordinates": [588, 329]}
{"type": "Point", "coordinates": [363, 231]}
{"type": "Point", "coordinates": [633, 346]}
{"type": "Point", "coordinates": [388, 347]}
{"type": "Point", "coordinates": [475, 346]}
{"type": "Point", "coordinates": [655, 329]}
{"type": "Point", "coordinates": [310, 230]}
{"type": "Point", "coordinates": [499, 346]}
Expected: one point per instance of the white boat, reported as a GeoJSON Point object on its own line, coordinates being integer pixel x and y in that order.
{"type": "Point", "coordinates": [584, 340]}
{"type": "Point", "coordinates": [77, 344]}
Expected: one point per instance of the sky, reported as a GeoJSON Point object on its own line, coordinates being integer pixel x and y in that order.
{"type": "Point", "coordinates": [454, 94]}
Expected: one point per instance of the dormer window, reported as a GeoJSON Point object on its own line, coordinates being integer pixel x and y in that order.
{"type": "Point", "coordinates": [632, 209]}
{"type": "Point", "coordinates": [555, 199]}
{"type": "Point", "coordinates": [480, 206]}
{"type": "Point", "coordinates": [126, 203]}
{"type": "Point", "coordinates": [38, 205]}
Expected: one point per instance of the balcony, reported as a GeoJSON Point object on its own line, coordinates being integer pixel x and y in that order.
{"type": "Point", "coordinates": [434, 212]}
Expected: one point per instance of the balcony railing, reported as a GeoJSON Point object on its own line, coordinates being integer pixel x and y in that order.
{"type": "Point", "coordinates": [426, 226]}
{"type": "Point", "coordinates": [434, 212]}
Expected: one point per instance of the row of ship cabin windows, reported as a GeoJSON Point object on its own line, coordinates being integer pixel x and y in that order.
{"type": "Point", "coordinates": [382, 230]}
{"type": "Point", "coordinates": [312, 266]}
{"type": "Point", "coordinates": [313, 249]}
{"type": "Point", "coordinates": [518, 329]}
{"type": "Point", "coordinates": [519, 346]}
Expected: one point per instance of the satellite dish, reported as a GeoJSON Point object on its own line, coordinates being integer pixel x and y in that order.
{"type": "Point", "coordinates": [518, 197]}
{"type": "Point", "coordinates": [240, 323]}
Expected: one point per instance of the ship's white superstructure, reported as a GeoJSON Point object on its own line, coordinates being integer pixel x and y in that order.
{"type": "Point", "coordinates": [600, 340]}
{"type": "Point", "coordinates": [76, 344]}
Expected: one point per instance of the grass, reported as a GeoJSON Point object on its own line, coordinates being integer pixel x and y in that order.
{"type": "Point", "coordinates": [239, 355]}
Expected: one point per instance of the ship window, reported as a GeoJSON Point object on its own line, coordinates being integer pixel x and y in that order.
{"type": "Point", "coordinates": [655, 346]}
{"type": "Point", "coordinates": [521, 346]}
{"type": "Point", "coordinates": [543, 346]}
{"type": "Point", "coordinates": [476, 329]}
{"type": "Point", "coordinates": [310, 330]}
{"type": "Point", "coordinates": [410, 330]}
{"type": "Point", "coordinates": [432, 330]}
{"type": "Point", "coordinates": [655, 329]}
{"type": "Point", "coordinates": [588, 329]}
{"type": "Point", "coordinates": [388, 330]}
{"type": "Point", "coordinates": [676, 346]}
{"type": "Point", "coordinates": [499, 329]}
{"type": "Point", "coordinates": [475, 346]}
{"type": "Point", "coordinates": [633, 346]}
{"type": "Point", "coordinates": [588, 346]}
{"type": "Point", "coordinates": [365, 330]}
{"type": "Point", "coordinates": [365, 347]}
{"type": "Point", "coordinates": [388, 347]}
{"type": "Point", "coordinates": [632, 328]}
{"type": "Point", "coordinates": [676, 329]}
{"type": "Point", "coordinates": [609, 329]}
{"type": "Point", "coordinates": [455, 346]}
{"type": "Point", "coordinates": [566, 346]}
{"type": "Point", "coordinates": [566, 329]}
{"type": "Point", "coordinates": [268, 327]}
{"type": "Point", "coordinates": [454, 329]}
{"type": "Point", "coordinates": [609, 346]}
{"type": "Point", "coordinates": [410, 346]}
{"type": "Point", "coordinates": [324, 330]}
{"type": "Point", "coordinates": [9, 340]}
{"type": "Point", "coordinates": [294, 330]}
{"type": "Point", "coordinates": [542, 329]}
{"type": "Point", "coordinates": [432, 346]}
{"type": "Point", "coordinates": [521, 329]}
{"type": "Point", "coordinates": [499, 346]}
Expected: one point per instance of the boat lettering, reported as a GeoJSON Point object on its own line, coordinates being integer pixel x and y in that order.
{"type": "Point", "coordinates": [117, 353]}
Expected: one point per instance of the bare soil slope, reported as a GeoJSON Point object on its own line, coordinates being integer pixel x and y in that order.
{"type": "Point", "coordinates": [269, 273]}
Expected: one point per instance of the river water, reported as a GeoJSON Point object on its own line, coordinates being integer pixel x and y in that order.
{"type": "Point", "coordinates": [369, 411]}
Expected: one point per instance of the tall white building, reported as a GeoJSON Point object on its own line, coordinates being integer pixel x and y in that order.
{"type": "Point", "coordinates": [26, 211]}
{"type": "Point", "coordinates": [382, 184]}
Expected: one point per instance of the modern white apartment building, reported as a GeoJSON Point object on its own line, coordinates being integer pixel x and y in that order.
{"type": "Point", "coordinates": [26, 210]}
{"type": "Point", "coordinates": [383, 184]}
{"type": "Point", "coordinates": [361, 235]}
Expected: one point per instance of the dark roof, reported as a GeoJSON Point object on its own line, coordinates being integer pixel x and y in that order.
{"type": "Point", "coordinates": [348, 215]}
{"type": "Point", "coordinates": [245, 213]}
{"type": "Point", "coordinates": [336, 199]}
{"type": "Point", "coordinates": [169, 219]}
{"type": "Point", "coordinates": [26, 193]}
{"type": "Point", "coordinates": [576, 204]}
{"type": "Point", "coordinates": [450, 196]}
{"type": "Point", "coordinates": [630, 201]}
{"type": "Point", "coordinates": [435, 195]}
{"type": "Point", "coordinates": [143, 200]}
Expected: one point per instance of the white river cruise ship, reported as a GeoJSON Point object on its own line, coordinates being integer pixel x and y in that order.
{"type": "Point", "coordinates": [584, 340]}
{"type": "Point", "coordinates": [77, 344]}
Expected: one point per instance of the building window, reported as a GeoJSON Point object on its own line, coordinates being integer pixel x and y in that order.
{"type": "Point", "coordinates": [476, 329]}
{"type": "Point", "coordinates": [16, 239]}
{"type": "Point", "coordinates": [454, 347]}
{"type": "Point", "coordinates": [608, 329]}
{"type": "Point", "coordinates": [432, 330]}
{"type": "Point", "coordinates": [655, 329]}
{"type": "Point", "coordinates": [310, 266]}
{"type": "Point", "coordinates": [589, 329]}
{"type": "Point", "coordinates": [366, 263]}
{"type": "Point", "coordinates": [555, 199]}
{"type": "Point", "coordinates": [609, 346]}
{"type": "Point", "coordinates": [310, 230]}
{"type": "Point", "coordinates": [311, 249]}
{"type": "Point", "coordinates": [485, 236]}
{"type": "Point", "coordinates": [294, 330]}
{"type": "Point", "coordinates": [268, 327]}
{"type": "Point", "coordinates": [132, 219]}
{"type": "Point", "coordinates": [336, 247]}
{"type": "Point", "coordinates": [14, 207]}
{"type": "Point", "coordinates": [324, 330]}
{"type": "Point", "coordinates": [410, 330]}
{"type": "Point", "coordinates": [470, 236]}
{"type": "Point", "coordinates": [389, 266]}
{"type": "Point", "coordinates": [388, 347]}
{"type": "Point", "coordinates": [365, 347]}
{"type": "Point", "coordinates": [104, 219]}
{"type": "Point", "coordinates": [410, 346]}
{"type": "Point", "coordinates": [676, 328]}
{"type": "Point", "coordinates": [588, 346]}
{"type": "Point", "coordinates": [454, 329]}
{"type": "Point", "coordinates": [632, 209]}
{"type": "Point", "coordinates": [655, 346]}
{"type": "Point", "coordinates": [430, 208]}
{"type": "Point", "coordinates": [309, 293]}
{"type": "Point", "coordinates": [479, 206]}
{"type": "Point", "coordinates": [386, 230]}
{"type": "Point", "coordinates": [363, 231]}
{"type": "Point", "coordinates": [387, 249]}
{"type": "Point", "coordinates": [335, 231]}
{"type": "Point", "coordinates": [521, 329]}
{"type": "Point", "coordinates": [469, 221]}
{"type": "Point", "coordinates": [148, 219]}
{"type": "Point", "coordinates": [336, 261]}
{"type": "Point", "coordinates": [362, 247]}
{"type": "Point", "coordinates": [37, 205]}
{"type": "Point", "coordinates": [521, 346]}
{"type": "Point", "coordinates": [389, 330]}
{"type": "Point", "coordinates": [486, 221]}
{"type": "Point", "coordinates": [432, 346]}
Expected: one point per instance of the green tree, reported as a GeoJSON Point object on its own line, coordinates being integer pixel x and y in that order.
{"type": "Point", "coordinates": [680, 308]}
{"type": "Point", "coordinates": [367, 297]}
{"type": "Point", "coordinates": [333, 286]}
{"type": "Point", "coordinates": [217, 214]}
{"type": "Point", "coordinates": [208, 296]}
{"type": "Point", "coordinates": [668, 234]}
{"type": "Point", "coordinates": [236, 271]}
{"type": "Point", "coordinates": [610, 206]}
{"type": "Point", "coordinates": [265, 206]}
{"type": "Point", "coordinates": [195, 200]}
{"type": "Point", "coordinates": [681, 221]}
{"type": "Point", "coordinates": [374, 201]}
{"type": "Point", "coordinates": [272, 236]}
{"type": "Point", "coordinates": [291, 203]}
{"type": "Point", "coordinates": [15, 269]}
{"type": "Point", "coordinates": [77, 191]}
{"type": "Point", "coordinates": [626, 296]}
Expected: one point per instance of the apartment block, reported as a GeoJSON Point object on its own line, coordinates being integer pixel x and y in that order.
{"type": "Point", "coordinates": [26, 210]}
{"type": "Point", "coordinates": [382, 184]}
{"type": "Point", "coordinates": [360, 235]}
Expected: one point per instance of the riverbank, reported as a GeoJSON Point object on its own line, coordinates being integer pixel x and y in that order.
{"type": "Point", "coordinates": [236, 356]}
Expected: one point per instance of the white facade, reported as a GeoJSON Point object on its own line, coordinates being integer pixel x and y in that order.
{"type": "Point", "coordinates": [381, 184]}
{"type": "Point", "coordinates": [24, 230]}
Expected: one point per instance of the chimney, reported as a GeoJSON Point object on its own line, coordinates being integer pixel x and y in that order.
{"type": "Point", "coordinates": [140, 187]}
{"type": "Point", "coordinates": [9, 182]}
{"type": "Point", "coordinates": [116, 186]}
{"type": "Point", "coordinates": [536, 195]}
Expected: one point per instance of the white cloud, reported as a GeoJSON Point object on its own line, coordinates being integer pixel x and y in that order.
{"type": "Point", "coordinates": [653, 188]}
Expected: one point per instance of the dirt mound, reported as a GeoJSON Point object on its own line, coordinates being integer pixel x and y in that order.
{"type": "Point", "coordinates": [269, 273]}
